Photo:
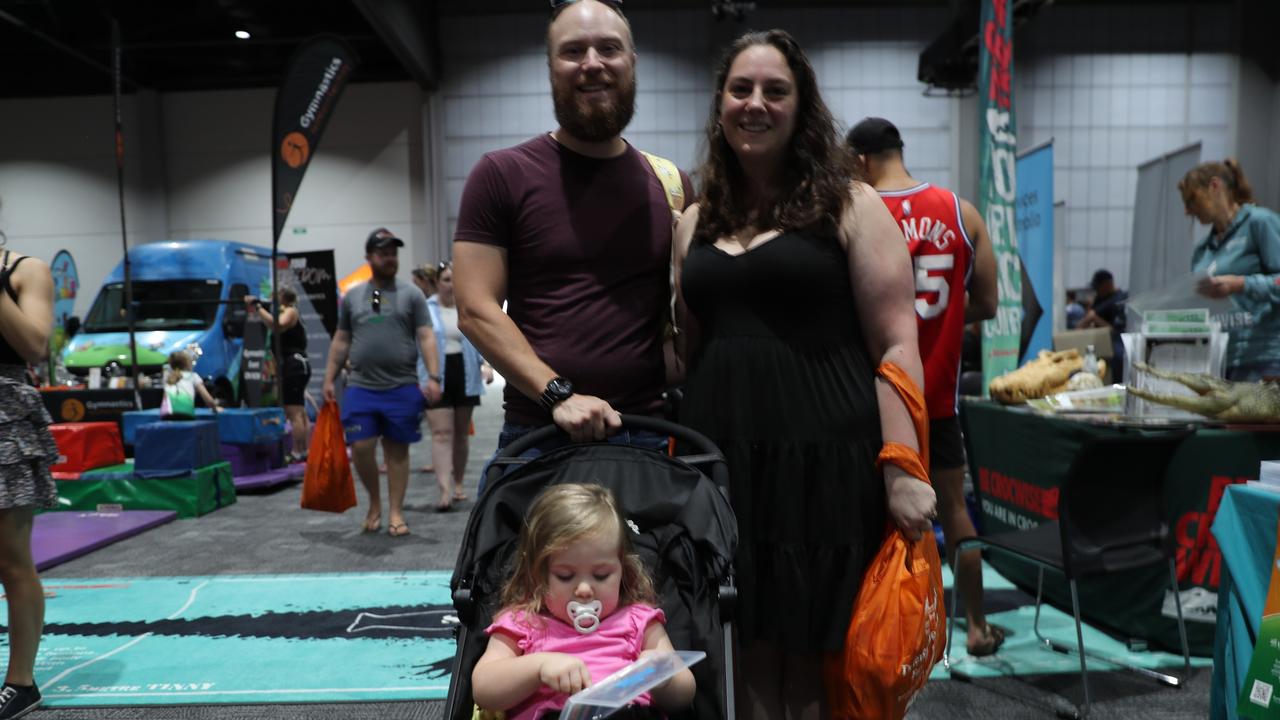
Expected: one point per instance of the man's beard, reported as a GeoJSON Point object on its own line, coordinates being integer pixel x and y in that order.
{"type": "Point", "coordinates": [385, 272]}
{"type": "Point", "coordinates": [594, 122]}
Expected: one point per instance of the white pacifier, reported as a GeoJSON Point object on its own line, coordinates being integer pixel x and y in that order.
{"type": "Point", "coordinates": [585, 616]}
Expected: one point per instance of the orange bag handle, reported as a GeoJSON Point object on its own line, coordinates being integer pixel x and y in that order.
{"type": "Point", "coordinates": [914, 462]}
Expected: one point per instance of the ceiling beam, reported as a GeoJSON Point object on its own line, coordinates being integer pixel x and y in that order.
{"type": "Point", "coordinates": [409, 30]}
{"type": "Point", "coordinates": [49, 39]}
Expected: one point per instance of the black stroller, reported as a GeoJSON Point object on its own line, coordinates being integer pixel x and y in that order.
{"type": "Point", "coordinates": [687, 537]}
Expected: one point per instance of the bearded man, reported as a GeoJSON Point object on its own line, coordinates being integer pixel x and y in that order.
{"type": "Point", "coordinates": [572, 230]}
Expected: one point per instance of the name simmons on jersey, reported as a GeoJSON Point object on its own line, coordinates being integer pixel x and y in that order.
{"type": "Point", "coordinates": [935, 236]}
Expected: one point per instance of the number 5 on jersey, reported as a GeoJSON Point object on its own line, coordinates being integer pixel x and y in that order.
{"type": "Point", "coordinates": [927, 284]}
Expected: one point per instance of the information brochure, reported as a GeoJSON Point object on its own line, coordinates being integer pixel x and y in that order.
{"type": "Point", "coordinates": [614, 692]}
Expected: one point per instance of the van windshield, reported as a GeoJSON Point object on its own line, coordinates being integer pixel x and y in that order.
{"type": "Point", "coordinates": [162, 305]}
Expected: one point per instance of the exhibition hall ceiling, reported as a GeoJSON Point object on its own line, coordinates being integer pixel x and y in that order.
{"type": "Point", "coordinates": [63, 47]}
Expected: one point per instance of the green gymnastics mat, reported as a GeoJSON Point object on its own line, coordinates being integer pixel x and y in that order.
{"type": "Point", "coordinates": [197, 493]}
{"type": "Point", "coordinates": [246, 639]}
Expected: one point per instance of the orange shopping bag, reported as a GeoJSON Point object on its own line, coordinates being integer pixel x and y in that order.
{"type": "Point", "coordinates": [328, 485]}
{"type": "Point", "coordinates": [897, 632]}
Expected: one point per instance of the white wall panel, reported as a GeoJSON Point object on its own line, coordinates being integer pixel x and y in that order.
{"type": "Point", "coordinates": [1107, 114]}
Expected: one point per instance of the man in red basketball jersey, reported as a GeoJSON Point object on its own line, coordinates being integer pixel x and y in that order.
{"type": "Point", "coordinates": [955, 284]}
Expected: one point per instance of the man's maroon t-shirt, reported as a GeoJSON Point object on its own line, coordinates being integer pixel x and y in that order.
{"type": "Point", "coordinates": [588, 246]}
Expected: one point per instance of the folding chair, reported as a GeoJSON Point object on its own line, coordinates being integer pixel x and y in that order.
{"type": "Point", "coordinates": [1110, 520]}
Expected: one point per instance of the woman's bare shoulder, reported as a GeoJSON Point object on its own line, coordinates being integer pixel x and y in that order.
{"type": "Point", "coordinates": [26, 265]}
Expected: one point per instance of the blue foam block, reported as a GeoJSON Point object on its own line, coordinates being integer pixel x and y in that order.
{"type": "Point", "coordinates": [175, 447]}
{"type": "Point", "coordinates": [236, 426]}
{"type": "Point", "coordinates": [131, 420]}
{"type": "Point", "coordinates": [250, 426]}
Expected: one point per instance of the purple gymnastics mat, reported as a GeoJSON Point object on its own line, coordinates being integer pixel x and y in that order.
{"type": "Point", "coordinates": [57, 537]}
{"type": "Point", "coordinates": [270, 478]}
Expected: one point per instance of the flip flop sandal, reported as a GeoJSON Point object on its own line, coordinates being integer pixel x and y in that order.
{"type": "Point", "coordinates": [371, 527]}
{"type": "Point", "coordinates": [397, 529]}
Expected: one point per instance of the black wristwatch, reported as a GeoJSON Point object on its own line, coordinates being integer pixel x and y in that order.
{"type": "Point", "coordinates": [557, 391]}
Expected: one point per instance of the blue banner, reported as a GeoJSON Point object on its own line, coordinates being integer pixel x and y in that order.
{"type": "Point", "coordinates": [1035, 239]}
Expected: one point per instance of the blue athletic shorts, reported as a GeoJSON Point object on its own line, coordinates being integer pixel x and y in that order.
{"type": "Point", "coordinates": [395, 414]}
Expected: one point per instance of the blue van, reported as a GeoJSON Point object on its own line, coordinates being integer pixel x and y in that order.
{"type": "Point", "coordinates": [186, 291]}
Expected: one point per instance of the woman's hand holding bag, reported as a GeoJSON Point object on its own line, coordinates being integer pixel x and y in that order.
{"type": "Point", "coordinates": [897, 631]}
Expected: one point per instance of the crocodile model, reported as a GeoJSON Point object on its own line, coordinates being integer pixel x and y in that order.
{"type": "Point", "coordinates": [1234, 402]}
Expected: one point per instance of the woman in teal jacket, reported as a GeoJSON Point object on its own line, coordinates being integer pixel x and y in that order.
{"type": "Point", "coordinates": [1241, 254]}
{"type": "Point", "coordinates": [465, 374]}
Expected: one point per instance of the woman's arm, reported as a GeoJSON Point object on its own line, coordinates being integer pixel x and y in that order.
{"type": "Point", "coordinates": [686, 341]}
{"type": "Point", "coordinates": [288, 316]}
{"type": "Point", "coordinates": [884, 288]}
{"type": "Point", "coordinates": [676, 693]}
{"type": "Point", "coordinates": [503, 677]}
{"type": "Point", "coordinates": [26, 324]}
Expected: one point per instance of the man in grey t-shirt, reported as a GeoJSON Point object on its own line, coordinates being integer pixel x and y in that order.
{"type": "Point", "coordinates": [383, 326]}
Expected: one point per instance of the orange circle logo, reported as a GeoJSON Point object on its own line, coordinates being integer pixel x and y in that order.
{"type": "Point", "coordinates": [72, 410]}
{"type": "Point", "coordinates": [295, 149]}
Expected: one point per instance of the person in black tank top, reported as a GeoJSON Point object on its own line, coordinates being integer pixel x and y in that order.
{"type": "Point", "coordinates": [793, 284]}
{"type": "Point", "coordinates": [28, 451]}
{"type": "Point", "coordinates": [295, 368]}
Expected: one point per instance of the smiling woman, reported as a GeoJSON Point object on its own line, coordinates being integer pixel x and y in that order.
{"type": "Point", "coordinates": [793, 286]}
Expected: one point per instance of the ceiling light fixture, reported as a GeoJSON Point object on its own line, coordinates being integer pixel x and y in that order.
{"type": "Point", "coordinates": [243, 34]}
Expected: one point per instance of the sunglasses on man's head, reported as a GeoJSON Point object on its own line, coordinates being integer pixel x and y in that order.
{"type": "Point", "coordinates": [376, 301]}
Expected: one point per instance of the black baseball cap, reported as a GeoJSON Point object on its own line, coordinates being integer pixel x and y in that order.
{"type": "Point", "coordinates": [381, 238]}
{"type": "Point", "coordinates": [874, 135]}
{"type": "Point", "coordinates": [1100, 277]}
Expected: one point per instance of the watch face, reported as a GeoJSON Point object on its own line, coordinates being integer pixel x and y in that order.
{"type": "Point", "coordinates": [560, 388]}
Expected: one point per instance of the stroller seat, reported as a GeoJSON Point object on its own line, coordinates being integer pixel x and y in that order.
{"type": "Point", "coordinates": [682, 525]}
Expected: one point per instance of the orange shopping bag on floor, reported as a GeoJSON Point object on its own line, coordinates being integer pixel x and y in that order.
{"type": "Point", "coordinates": [328, 485]}
{"type": "Point", "coordinates": [897, 632]}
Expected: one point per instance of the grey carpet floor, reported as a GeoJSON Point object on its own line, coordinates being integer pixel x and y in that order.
{"type": "Point", "coordinates": [268, 533]}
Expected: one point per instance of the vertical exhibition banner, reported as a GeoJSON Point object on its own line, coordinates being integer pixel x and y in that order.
{"type": "Point", "coordinates": [305, 102]}
{"type": "Point", "coordinates": [1035, 239]}
{"type": "Point", "coordinates": [998, 185]}
{"type": "Point", "coordinates": [311, 275]}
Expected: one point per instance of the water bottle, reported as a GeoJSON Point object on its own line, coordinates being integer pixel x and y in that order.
{"type": "Point", "coordinates": [1090, 361]}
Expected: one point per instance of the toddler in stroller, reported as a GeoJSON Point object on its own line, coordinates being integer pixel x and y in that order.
{"type": "Point", "coordinates": [681, 527]}
{"type": "Point", "coordinates": [578, 606]}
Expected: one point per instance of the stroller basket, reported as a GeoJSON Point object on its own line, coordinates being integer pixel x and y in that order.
{"type": "Point", "coordinates": [685, 532]}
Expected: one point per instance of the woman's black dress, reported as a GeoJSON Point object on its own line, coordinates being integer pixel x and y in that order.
{"type": "Point", "coordinates": [783, 384]}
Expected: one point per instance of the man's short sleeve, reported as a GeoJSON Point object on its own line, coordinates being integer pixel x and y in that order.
{"type": "Point", "coordinates": [344, 312]}
{"type": "Point", "coordinates": [421, 313]}
{"type": "Point", "coordinates": [484, 213]}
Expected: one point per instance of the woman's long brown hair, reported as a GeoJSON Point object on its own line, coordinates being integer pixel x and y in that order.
{"type": "Point", "coordinates": [813, 186]}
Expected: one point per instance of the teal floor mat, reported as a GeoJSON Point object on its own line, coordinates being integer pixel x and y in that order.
{"type": "Point", "coordinates": [1023, 654]}
{"type": "Point", "coordinates": [246, 639]}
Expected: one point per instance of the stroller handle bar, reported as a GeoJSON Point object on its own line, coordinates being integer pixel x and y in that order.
{"type": "Point", "coordinates": [658, 426]}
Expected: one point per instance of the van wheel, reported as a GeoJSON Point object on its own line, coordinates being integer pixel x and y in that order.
{"type": "Point", "coordinates": [224, 393]}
